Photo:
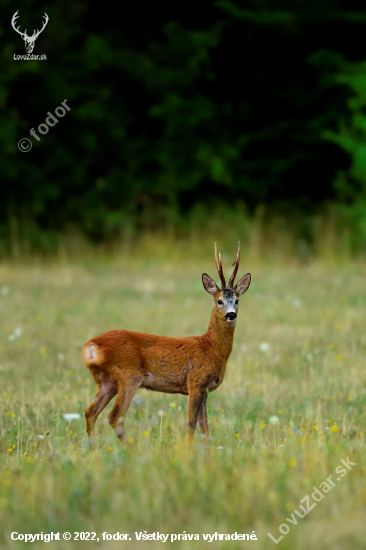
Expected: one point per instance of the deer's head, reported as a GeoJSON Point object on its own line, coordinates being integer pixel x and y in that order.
{"type": "Point", "coordinates": [226, 298]}
{"type": "Point", "coordinates": [28, 40]}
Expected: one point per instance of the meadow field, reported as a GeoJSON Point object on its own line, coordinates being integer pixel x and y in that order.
{"type": "Point", "coordinates": [291, 407]}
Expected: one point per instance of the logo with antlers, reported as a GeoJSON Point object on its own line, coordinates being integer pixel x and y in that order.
{"type": "Point", "coordinates": [29, 40]}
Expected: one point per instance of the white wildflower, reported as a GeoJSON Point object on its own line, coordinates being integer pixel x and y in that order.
{"type": "Point", "coordinates": [71, 416]}
{"type": "Point", "coordinates": [264, 347]}
{"type": "Point", "coordinates": [17, 332]}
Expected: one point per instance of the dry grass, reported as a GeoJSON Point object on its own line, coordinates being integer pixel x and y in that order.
{"type": "Point", "coordinates": [299, 357]}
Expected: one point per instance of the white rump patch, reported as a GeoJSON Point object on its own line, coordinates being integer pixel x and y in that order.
{"type": "Point", "coordinates": [91, 352]}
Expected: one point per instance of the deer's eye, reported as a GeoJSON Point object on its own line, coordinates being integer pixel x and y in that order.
{"type": "Point", "coordinates": [236, 302]}
{"type": "Point", "coordinates": [219, 302]}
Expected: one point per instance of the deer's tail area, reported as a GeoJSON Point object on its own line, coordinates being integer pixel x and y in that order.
{"type": "Point", "coordinates": [93, 355]}
{"type": "Point", "coordinates": [110, 354]}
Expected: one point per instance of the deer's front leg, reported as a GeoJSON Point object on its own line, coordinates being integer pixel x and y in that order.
{"type": "Point", "coordinates": [202, 417]}
{"type": "Point", "coordinates": [195, 397]}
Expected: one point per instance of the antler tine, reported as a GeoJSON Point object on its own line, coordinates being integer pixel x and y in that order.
{"type": "Point", "coordinates": [14, 22]}
{"type": "Point", "coordinates": [37, 33]}
{"type": "Point", "coordinates": [219, 267]}
{"type": "Point", "coordinates": [14, 19]}
{"type": "Point", "coordinates": [236, 264]}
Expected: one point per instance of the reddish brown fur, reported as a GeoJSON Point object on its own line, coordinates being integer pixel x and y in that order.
{"type": "Point", "coordinates": [121, 361]}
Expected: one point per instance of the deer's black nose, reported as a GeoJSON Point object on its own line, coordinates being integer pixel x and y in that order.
{"type": "Point", "coordinates": [231, 316]}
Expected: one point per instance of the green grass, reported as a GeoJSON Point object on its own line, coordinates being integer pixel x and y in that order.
{"type": "Point", "coordinates": [311, 375]}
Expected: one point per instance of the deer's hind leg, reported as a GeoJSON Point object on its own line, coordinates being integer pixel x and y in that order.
{"type": "Point", "coordinates": [129, 381]}
{"type": "Point", "coordinates": [107, 389]}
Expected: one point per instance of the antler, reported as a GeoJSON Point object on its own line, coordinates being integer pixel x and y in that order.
{"type": "Point", "coordinates": [44, 24]}
{"type": "Point", "coordinates": [236, 264]}
{"type": "Point", "coordinates": [13, 21]}
{"type": "Point", "coordinates": [219, 267]}
{"type": "Point", "coordinates": [24, 34]}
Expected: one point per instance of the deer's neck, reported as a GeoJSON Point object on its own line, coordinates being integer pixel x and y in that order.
{"type": "Point", "coordinates": [221, 334]}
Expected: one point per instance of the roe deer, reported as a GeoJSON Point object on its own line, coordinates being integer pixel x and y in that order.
{"type": "Point", "coordinates": [121, 361]}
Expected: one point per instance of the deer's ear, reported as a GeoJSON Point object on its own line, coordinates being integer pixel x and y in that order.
{"type": "Point", "coordinates": [209, 284]}
{"type": "Point", "coordinates": [243, 285]}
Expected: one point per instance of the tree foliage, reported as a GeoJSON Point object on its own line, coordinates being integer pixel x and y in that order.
{"type": "Point", "coordinates": [169, 109]}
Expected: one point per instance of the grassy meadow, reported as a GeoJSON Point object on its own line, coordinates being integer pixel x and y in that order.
{"type": "Point", "coordinates": [292, 405]}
